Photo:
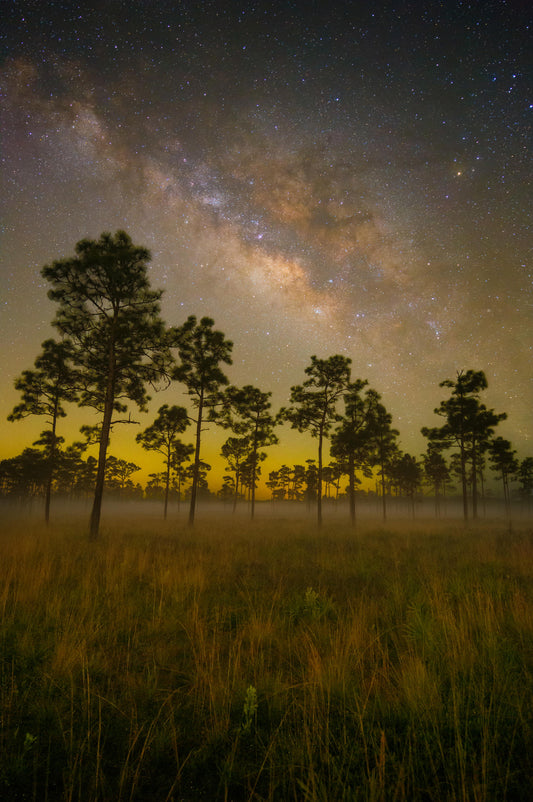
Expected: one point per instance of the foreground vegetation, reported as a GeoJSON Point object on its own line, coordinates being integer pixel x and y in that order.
{"type": "Point", "coordinates": [266, 662]}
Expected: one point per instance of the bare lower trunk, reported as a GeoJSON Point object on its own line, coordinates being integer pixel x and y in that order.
{"type": "Point", "coordinates": [474, 481]}
{"type": "Point", "coordinates": [351, 489]}
{"type": "Point", "coordinates": [94, 526]}
{"type": "Point", "coordinates": [383, 497]}
{"type": "Point", "coordinates": [252, 495]}
{"type": "Point", "coordinates": [465, 488]}
{"type": "Point", "coordinates": [319, 482]}
{"type": "Point", "coordinates": [167, 484]}
{"type": "Point", "coordinates": [51, 463]}
{"type": "Point", "coordinates": [437, 501]}
{"type": "Point", "coordinates": [48, 494]}
{"type": "Point", "coordinates": [236, 494]}
{"type": "Point", "coordinates": [196, 470]}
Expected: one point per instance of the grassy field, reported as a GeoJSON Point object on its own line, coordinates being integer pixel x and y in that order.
{"type": "Point", "coordinates": [266, 662]}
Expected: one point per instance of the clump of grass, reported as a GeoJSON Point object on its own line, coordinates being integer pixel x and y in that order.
{"type": "Point", "coordinates": [265, 663]}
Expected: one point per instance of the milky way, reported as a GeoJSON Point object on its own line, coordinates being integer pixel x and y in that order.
{"type": "Point", "coordinates": [318, 179]}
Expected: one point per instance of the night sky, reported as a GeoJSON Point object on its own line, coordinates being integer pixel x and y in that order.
{"type": "Point", "coordinates": [319, 177]}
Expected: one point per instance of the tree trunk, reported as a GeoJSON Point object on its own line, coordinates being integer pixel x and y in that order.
{"type": "Point", "coordinates": [196, 470]}
{"type": "Point", "coordinates": [437, 499]}
{"type": "Point", "coordinates": [483, 499]}
{"type": "Point", "coordinates": [474, 479]}
{"type": "Point", "coordinates": [463, 479]}
{"type": "Point", "coordinates": [94, 526]}
{"type": "Point", "coordinates": [252, 489]}
{"type": "Point", "coordinates": [47, 496]}
{"type": "Point", "coordinates": [235, 495]}
{"type": "Point", "coordinates": [351, 487]}
{"type": "Point", "coordinates": [383, 497]}
{"type": "Point", "coordinates": [319, 480]}
{"type": "Point", "coordinates": [167, 484]}
{"type": "Point", "coordinates": [51, 464]}
{"type": "Point", "coordinates": [506, 494]}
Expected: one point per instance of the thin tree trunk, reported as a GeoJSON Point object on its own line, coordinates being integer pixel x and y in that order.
{"type": "Point", "coordinates": [237, 477]}
{"type": "Point", "coordinates": [474, 479]}
{"type": "Point", "coordinates": [252, 495]}
{"type": "Point", "coordinates": [383, 498]}
{"type": "Point", "coordinates": [319, 481]}
{"type": "Point", "coordinates": [483, 499]}
{"type": "Point", "coordinates": [436, 489]}
{"type": "Point", "coordinates": [351, 488]}
{"type": "Point", "coordinates": [94, 525]}
{"type": "Point", "coordinates": [48, 491]}
{"type": "Point", "coordinates": [506, 494]}
{"type": "Point", "coordinates": [463, 479]}
{"type": "Point", "coordinates": [196, 471]}
{"type": "Point", "coordinates": [51, 463]}
{"type": "Point", "coordinates": [167, 484]}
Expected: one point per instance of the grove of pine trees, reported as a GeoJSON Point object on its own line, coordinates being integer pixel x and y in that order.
{"type": "Point", "coordinates": [113, 349]}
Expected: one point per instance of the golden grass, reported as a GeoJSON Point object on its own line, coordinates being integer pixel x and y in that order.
{"type": "Point", "coordinates": [388, 664]}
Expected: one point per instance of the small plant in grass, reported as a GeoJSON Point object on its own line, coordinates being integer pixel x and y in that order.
{"type": "Point", "coordinates": [310, 606]}
{"type": "Point", "coordinates": [249, 710]}
{"type": "Point", "coordinates": [29, 742]}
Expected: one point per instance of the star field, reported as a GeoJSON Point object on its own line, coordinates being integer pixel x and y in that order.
{"type": "Point", "coordinates": [319, 178]}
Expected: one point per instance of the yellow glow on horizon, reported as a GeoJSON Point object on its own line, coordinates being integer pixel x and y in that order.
{"type": "Point", "coordinates": [294, 447]}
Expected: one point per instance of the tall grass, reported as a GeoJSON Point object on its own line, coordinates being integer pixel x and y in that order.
{"type": "Point", "coordinates": [266, 662]}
